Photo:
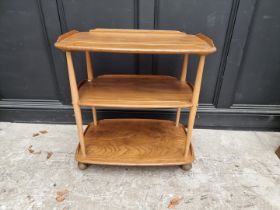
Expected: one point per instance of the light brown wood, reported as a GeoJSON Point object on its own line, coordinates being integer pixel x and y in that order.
{"type": "Point", "coordinates": [183, 80]}
{"type": "Point", "coordinates": [178, 114]}
{"type": "Point", "coordinates": [135, 142]}
{"type": "Point", "coordinates": [67, 34]}
{"type": "Point", "coordinates": [136, 41]}
{"type": "Point", "coordinates": [72, 78]}
{"type": "Point", "coordinates": [94, 116]}
{"type": "Point", "coordinates": [75, 98]}
{"type": "Point", "coordinates": [184, 68]}
{"type": "Point", "coordinates": [90, 78]}
{"type": "Point", "coordinates": [206, 39]}
{"type": "Point", "coordinates": [89, 66]}
{"type": "Point", "coordinates": [135, 91]}
{"type": "Point", "coordinates": [195, 99]}
{"type": "Point", "coordinates": [134, 31]}
{"type": "Point", "coordinates": [79, 123]}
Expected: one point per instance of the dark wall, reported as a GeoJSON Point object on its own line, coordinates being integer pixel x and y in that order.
{"type": "Point", "coordinates": [241, 84]}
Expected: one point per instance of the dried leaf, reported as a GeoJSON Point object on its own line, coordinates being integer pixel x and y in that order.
{"type": "Point", "coordinates": [49, 154]}
{"type": "Point", "coordinates": [63, 192]}
{"type": "Point", "coordinates": [35, 134]}
{"type": "Point", "coordinates": [43, 131]}
{"type": "Point", "coordinates": [60, 195]}
{"type": "Point", "coordinates": [32, 151]}
{"type": "Point", "coordinates": [277, 152]}
{"type": "Point", "coordinates": [174, 202]}
{"type": "Point", "coordinates": [60, 198]}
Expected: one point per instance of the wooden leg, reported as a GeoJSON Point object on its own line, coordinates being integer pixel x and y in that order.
{"type": "Point", "coordinates": [89, 66]}
{"type": "Point", "coordinates": [178, 116]}
{"type": "Point", "coordinates": [94, 115]}
{"type": "Point", "coordinates": [195, 98]}
{"type": "Point", "coordinates": [190, 128]}
{"type": "Point", "coordinates": [184, 68]}
{"type": "Point", "coordinates": [79, 122]}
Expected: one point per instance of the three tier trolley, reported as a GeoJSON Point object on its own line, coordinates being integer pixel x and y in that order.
{"type": "Point", "coordinates": [135, 142]}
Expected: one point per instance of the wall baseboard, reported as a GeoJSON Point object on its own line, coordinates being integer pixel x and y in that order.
{"type": "Point", "coordinates": [236, 118]}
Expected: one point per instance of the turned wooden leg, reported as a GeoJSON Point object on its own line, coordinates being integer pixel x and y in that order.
{"type": "Point", "coordinates": [186, 167]}
{"type": "Point", "coordinates": [75, 100]}
{"type": "Point", "coordinates": [79, 123]}
{"type": "Point", "coordinates": [82, 166]}
{"type": "Point", "coordinates": [94, 116]}
{"type": "Point", "coordinates": [195, 98]}
{"type": "Point", "coordinates": [178, 116]}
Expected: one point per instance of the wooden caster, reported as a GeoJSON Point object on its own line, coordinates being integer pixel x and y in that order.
{"type": "Point", "coordinates": [186, 167]}
{"type": "Point", "coordinates": [82, 166]}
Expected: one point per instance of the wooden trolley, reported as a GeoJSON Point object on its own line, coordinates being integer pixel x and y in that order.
{"type": "Point", "coordinates": [136, 142]}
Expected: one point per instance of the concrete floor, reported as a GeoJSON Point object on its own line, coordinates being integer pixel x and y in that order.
{"type": "Point", "coordinates": [233, 170]}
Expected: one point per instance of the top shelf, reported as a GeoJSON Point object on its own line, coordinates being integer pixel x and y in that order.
{"type": "Point", "coordinates": [136, 41]}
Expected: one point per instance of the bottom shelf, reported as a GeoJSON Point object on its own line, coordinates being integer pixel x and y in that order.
{"type": "Point", "coordinates": [135, 142]}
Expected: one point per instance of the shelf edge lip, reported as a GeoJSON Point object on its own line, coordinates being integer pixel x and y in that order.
{"type": "Point", "coordinates": [136, 106]}
{"type": "Point", "coordinates": [137, 51]}
{"type": "Point", "coordinates": [208, 40]}
{"type": "Point", "coordinates": [108, 30]}
{"type": "Point", "coordinates": [136, 76]}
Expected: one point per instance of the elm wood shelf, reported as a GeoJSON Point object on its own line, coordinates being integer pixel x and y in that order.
{"type": "Point", "coordinates": [135, 141]}
{"type": "Point", "coordinates": [136, 41]}
{"type": "Point", "coordinates": [134, 91]}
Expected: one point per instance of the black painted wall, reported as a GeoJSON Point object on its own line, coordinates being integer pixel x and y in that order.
{"type": "Point", "coordinates": [241, 85]}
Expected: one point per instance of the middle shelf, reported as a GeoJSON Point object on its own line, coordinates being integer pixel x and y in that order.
{"type": "Point", "coordinates": [135, 91]}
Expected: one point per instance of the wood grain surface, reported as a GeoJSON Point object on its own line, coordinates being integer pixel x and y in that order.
{"type": "Point", "coordinates": [135, 91]}
{"type": "Point", "coordinates": [135, 142]}
{"type": "Point", "coordinates": [136, 41]}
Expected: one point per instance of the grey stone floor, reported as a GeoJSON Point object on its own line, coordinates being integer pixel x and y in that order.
{"type": "Point", "coordinates": [233, 170]}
